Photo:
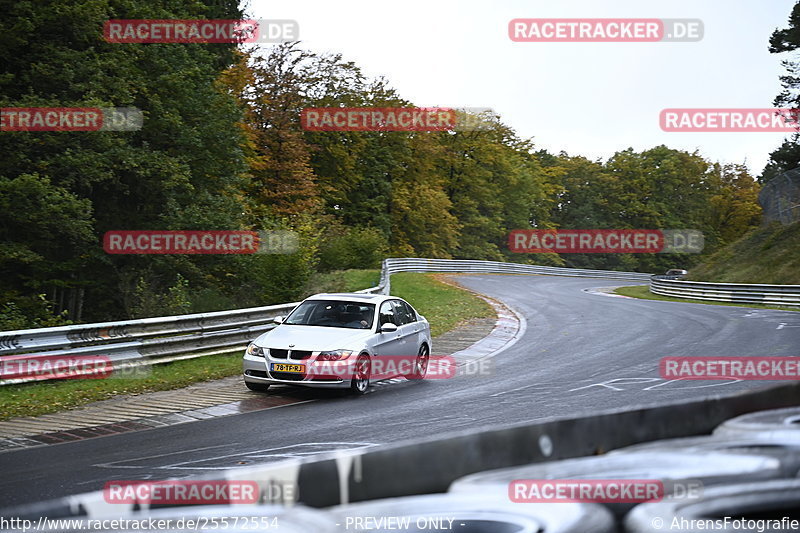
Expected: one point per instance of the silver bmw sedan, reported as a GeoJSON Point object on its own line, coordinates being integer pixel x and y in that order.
{"type": "Point", "coordinates": [341, 341]}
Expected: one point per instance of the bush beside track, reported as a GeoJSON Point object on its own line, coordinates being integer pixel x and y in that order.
{"type": "Point", "coordinates": [768, 254]}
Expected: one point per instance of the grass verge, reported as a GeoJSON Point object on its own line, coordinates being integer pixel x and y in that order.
{"type": "Point", "coordinates": [643, 292]}
{"type": "Point", "coordinates": [443, 305]}
{"type": "Point", "coordinates": [32, 399]}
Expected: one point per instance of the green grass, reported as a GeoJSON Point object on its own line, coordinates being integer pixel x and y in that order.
{"type": "Point", "coordinates": [355, 280]}
{"type": "Point", "coordinates": [767, 254]}
{"type": "Point", "coordinates": [643, 292]}
{"type": "Point", "coordinates": [343, 281]}
{"type": "Point", "coordinates": [32, 399]}
{"type": "Point", "coordinates": [443, 305]}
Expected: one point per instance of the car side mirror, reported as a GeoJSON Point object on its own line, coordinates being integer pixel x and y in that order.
{"type": "Point", "coordinates": [388, 328]}
{"type": "Point", "coordinates": [278, 320]}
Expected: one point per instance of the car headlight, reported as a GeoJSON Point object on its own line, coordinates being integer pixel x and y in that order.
{"type": "Point", "coordinates": [257, 351]}
{"type": "Point", "coordinates": [334, 355]}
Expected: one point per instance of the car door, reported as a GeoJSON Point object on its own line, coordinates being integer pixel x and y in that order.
{"type": "Point", "coordinates": [409, 328]}
{"type": "Point", "coordinates": [389, 343]}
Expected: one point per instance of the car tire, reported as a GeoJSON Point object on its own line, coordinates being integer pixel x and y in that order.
{"type": "Point", "coordinates": [420, 363]}
{"type": "Point", "coordinates": [671, 467]}
{"type": "Point", "coordinates": [257, 387]}
{"type": "Point", "coordinates": [359, 383]}
{"type": "Point", "coordinates": [765, 499]}
{"type": "Point", "coordinates": [788, 453]}
{"type": "Point", "coordinates": [774, 424]}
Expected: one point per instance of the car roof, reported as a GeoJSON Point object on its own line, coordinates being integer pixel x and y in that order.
{"type": "Point", "coordinates": [353, 297]}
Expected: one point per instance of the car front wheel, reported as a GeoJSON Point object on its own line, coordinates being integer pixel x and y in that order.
{"type": "Point", "coordinates": [420, 364]}
{"type": "Point", "coordinates": [360, 381]}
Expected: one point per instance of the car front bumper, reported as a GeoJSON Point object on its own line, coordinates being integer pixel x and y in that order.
{"type": "Point", "coordinates": [255, 370]}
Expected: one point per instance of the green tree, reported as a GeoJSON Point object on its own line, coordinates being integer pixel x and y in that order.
{"type": "Point", "coordinates": [182, 170]}
{"type": "Point", "coordinates": [787, 156]}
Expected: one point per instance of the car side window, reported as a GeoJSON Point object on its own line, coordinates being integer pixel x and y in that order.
{"type": "Point", "coordinates": [399, 313]}
{"type": "Point", "coordinates": [412, 315]}
{"type": "Point", "coordinates": [401, 310]}
{"type": "Point", "coordinates": [387, 314]}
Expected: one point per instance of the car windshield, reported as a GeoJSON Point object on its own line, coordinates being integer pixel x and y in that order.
{"type": "Point", "coordinates": [332, 314]}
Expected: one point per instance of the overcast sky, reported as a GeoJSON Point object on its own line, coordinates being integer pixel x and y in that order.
{"type": "Point", "coordinates": [588, 99]}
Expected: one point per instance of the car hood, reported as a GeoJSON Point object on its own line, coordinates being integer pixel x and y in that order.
{"type": "Point", "coordinates": [313, 338]}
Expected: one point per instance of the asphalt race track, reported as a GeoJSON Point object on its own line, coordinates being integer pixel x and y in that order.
{"type": "Point", "coordinates": [581, 352]}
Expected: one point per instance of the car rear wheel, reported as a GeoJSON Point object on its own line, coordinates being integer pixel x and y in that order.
{"type": "Point", "coordinates": [420, 364]}
{"type": "Point", "coordinates": [258, 387]}
{"type": "Point", "coordinates": [360, 381]}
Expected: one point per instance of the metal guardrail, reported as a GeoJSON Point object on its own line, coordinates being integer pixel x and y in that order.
{"type": "Point", "coordinates": [781, 295]}
{"type": "Point", "coordinates": [496, 267]}
{"type": "Point", "coordinates": [148, 341]}
{"type": "Point", "coordinates": [663, 276]}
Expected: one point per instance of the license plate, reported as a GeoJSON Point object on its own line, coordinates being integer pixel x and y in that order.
{"type": "Point", "coordinates": [281, 367]}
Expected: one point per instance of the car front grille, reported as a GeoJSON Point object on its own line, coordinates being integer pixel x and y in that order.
{"type": "Point", "coordinates": [286, 354]}
{"type": "Point", "coordinates": [288, 376]}
{"type": "Point", "coordinates": [256, 373]}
